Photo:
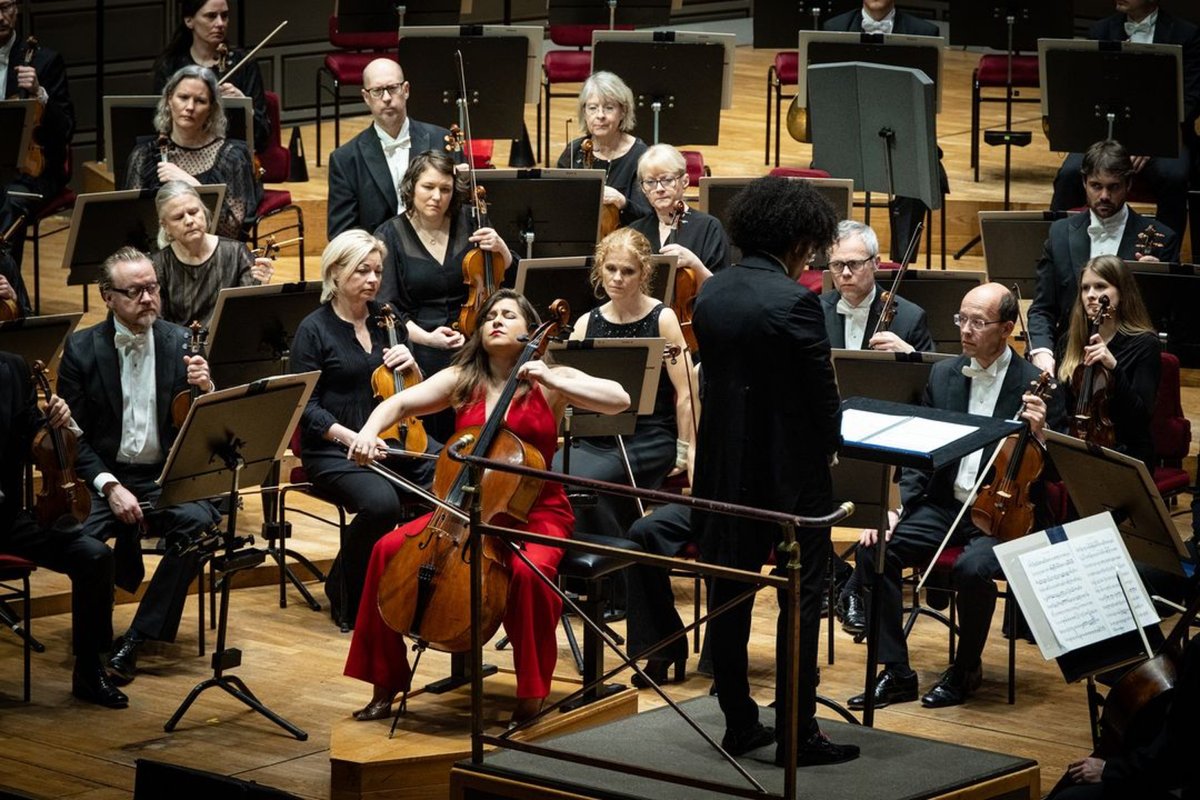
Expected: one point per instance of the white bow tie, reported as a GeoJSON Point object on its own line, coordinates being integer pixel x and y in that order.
{"type": "Point", "coordinates": [1134, 28]}
{"type": "Point", "coordinates": [400, 144]}
{"type": "Point", "coordinates": [858, 313]}
{"type": "Point", "coordinates": [130, 342]}
{"type": "Point", "coordinates": [877, 26]}
{"type": "Point", "coordinates": [1101, 232]}
{"type": "Point", "coordinates": [977, 374]}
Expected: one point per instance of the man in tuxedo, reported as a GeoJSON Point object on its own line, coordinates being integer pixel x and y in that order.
{"type": "Point", "coordinates": [988, 379]}
{"type": "Point", "coordinates": [1143, 21]}
{"type": "Point", "coordinates": [43, 80]}
{"type": "Point", "coordinates": [763, 339]}
{"type": "Point", "coordinates": [119, 378]}
{"type": "Point", "coordinates": [1107, 227]}
{"type": "Point", "coordinates": [852, 307]}
{"type": "Point", "coordinates": [63, 547]}
{"type": "Point", "coordinates": [365, 172]}
{"type": "Point", "coordinates": [882, 16]}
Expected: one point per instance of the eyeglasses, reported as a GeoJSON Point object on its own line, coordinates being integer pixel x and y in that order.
{"type": "Point", "coordinates": [973, 323]}
{"type": "Point", "coordinates": [666, 183]}
{"type": "Point", "coordinates": [853, 266]}
{"type": "Point", "coordinates": [136, 292]}
{"type": "Point", "coordinates": [8, 9]}
{"type": "Point", "coordinates": [608, 108]}
{"type": "Point", "coordinates": [379, 91]}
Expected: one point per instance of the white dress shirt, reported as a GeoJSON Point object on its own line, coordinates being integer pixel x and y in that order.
{"type": "Point", "coordinates": [140, 442]}
{"type": "Point", "coordinates": [855, 319]}
{"type": "Point", "coordinates": [985, 391]}
{"type": "Point", "coordinates": [5, 60]}
{"type": "Point", "coordinates": [396, 152]}
{"type": "Point", "coordinates": [885, 25]}
{"type": "Point", "coordinates": [1106, 234]}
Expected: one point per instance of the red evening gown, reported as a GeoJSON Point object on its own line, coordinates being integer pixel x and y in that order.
{"type": "Point", "coordinates": [379, 655]}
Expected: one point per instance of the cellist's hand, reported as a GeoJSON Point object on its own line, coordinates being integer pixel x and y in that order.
{"type": "Point", "coordinates": [890, 342]}
{"type": "Point", "coordinates": [614, 198]}
{"type": "Point", "coordinates": [1034, 413]}
{"type": "Point", "coordinates": [1086, 770]}
{"type": "Point", "coordinates": [1097, 352]}
{"type": "Point", "coordinates": [399, 357]}
{"type": "Point", "coordinates": [444, 338]}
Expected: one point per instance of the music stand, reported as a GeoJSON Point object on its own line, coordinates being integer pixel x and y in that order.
{"type": "Point", "coordinates": [547, 212]}
{"type": "Point", "coordinates": [38, 338]}
{"type": "Point", "coordinates": [492, 56]}
{"type": "Point", "coordinates": [16, 134]}
{"type": "Point", "coordinates": [231, 437]}
{"type": "Point", "coordinates": [876, 440]}
{"type": "Point", "coordinates": [1013, 242]}
{"type": "Point", "coordinates": [775, 24]}
{"type": "Point", "coordinates": [250, 334]}
{"type": "Point", "coordinates": [1170, 292]}
{"type": "Point", "coordinates": [633, 363]}
{"type": "Point", "coordinates": [673, 75]}
{"type": "Point", "coordinates": [1097, 90]}
{"type": "Point", "coordinates": [923, 53]}
{"type": "Point", "coordinates": [634, 13]}
{"type": "Point", "coordinates": [544, 280]}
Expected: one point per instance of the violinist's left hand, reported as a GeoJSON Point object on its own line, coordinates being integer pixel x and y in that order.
{"type": "Point", "coordinates": [614, 198]}
{"type": "Point", "coordinates": [173, 172]}
{"type": "Point", "coordinates": [886, 340]}
{"type": "Point", "coordinates": [488, 239]}
{"type": "Point", "coordinates": [1034, 413]}
{"type": "Point", "coordinates": [1097, 352]}
{"type": "Point", "coordinates": [197, 373]}
{"type": "Point", "coordinates": [686, 257]}
{"type": "Point", "coordinates": [263, 270]}
{"type": "Point", "coordinates": [58, 413]}
{"type": "Point", "coordinates": [398, 357]}
{"type": "Point", "coordinates": [1086, 770]}
{"type": "Point", "coordinates": [229, 90]}
{"type": "Point", "coordinates": [27, 79]}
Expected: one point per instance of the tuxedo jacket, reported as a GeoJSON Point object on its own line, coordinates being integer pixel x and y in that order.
{"type": "Point", "coordinates": [948, 388]}
{"type": "Point", "coordinates": [361, 192]}
{"type": "Point", "coordinates": [1167, 30]}
{"type": "Point", "coordinates": [1066, 251]}
{"type": "Point", "coordinates": [909, 322]}
{"type": "Point", "coordinates": [58, 115]}
{"type": "Point", "coordinates": [903, 24]}
{"type": "Point", "coordinates": [89, 380]}
{"type": "Point", "coordinates": [18, 422]}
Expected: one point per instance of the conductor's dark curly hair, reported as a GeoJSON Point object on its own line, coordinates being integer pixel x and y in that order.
{"type": "Point", "coordinates": [778, 216]}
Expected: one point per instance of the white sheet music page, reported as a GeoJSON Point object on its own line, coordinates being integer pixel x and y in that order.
{"type": "Point", "coordinates": [894, 432]}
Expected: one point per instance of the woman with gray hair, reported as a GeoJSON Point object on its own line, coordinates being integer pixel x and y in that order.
{"type": "Point", "coordinates": [190, 146]}
{"type": "Point", "coordinates": [606, 120]}
{"type": "Point", "coordinates": [193, 264]}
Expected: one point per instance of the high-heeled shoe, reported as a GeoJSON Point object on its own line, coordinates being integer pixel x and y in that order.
{"type": "Point", "coordinates": [376, 709]}
{"type": "Point", "coordinates": [527, 708]}
{"type": "Point", "coordinates": [657, 669]}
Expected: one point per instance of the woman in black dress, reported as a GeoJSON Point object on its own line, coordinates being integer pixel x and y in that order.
{"type": "Point", "coordinates": [606, 117]}
{"type": "Point", "coordinates": [422, 272]}
{"type": "Point", "coordinates": [342, 340]}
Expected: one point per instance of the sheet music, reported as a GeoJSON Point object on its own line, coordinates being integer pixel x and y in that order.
{"type": "Point", "coordinates": [915, 434]}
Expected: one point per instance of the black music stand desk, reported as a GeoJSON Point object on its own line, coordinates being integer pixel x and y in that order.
{"type": "Point", "coordinates": [635, 13]}
{"type": "Point", "coordinates": [545, 212]}
{"type": "Point", "coordinates": [775, 24]}
{"type": "Point", "coordinates": [1013, 242]}
{"type": "Point", "coordinates": [1171, 293]}
{"type": "Point", "coordinates": [544, 280]}
{"type": "Point", "coordinates": [16, 134]}
{"type": "Point", "coordinates": [250, 334]}
{"type": "Point", "coordinates": [38, 338]}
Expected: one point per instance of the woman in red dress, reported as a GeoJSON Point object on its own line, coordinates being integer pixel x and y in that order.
{"type": "Point", "coordinates": [378, 655]}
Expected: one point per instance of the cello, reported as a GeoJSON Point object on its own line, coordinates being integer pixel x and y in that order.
{"type": "Point", "coordinates": [610, 215]}
{"type": "Point", "coordinates": [686, 284]}
{"type": "Point", "coordinates": [63, 492]}
{"type": "Point", "coordinates": [425, 590]}
{"type": "Point", "coordinates": [1091, 384]}
{"type": "Point", "coordinates": [408, 433]}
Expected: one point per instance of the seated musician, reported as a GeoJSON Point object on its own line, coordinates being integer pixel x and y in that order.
{"type": "Point", "coordinates": [1145, 22]}
{"type": "Point", "coordinates": [193, 264]}
{"type": "Point", "coordinates": [987, 379]}
{"type": "Point", "coordinates": [12, 287]}
{"type": "Point", "coordinates": [695, 238]}
{"type": "Point", "coordinates": [345, 341]}
{"type": "Point", "coordinates": [1108, 227]}
{"type": "Point", "coordinates": [119, 378]}
{"type": "Point", "coordinates": [378, 655]}
{"type": "Point", "coordinates": [203, 29]}
{"type": "Point", "coordinates": [606, 118]}
{"type": "Point", "coordinates": [63, 547]}
{"type": "Point", "coordinates": [44, 80]}
{"type": "Point", "coordinates": [366, 172]}
{"type": "Point", "coordinates": [195, 149]}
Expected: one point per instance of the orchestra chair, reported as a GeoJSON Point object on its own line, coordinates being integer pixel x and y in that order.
{"type": "Point", "coordinates": [61, 203]}
{"type": "Point", "coordinates": [992, 73]}
{"type": "Point", "coordinates": [696, 169]}
{"type": "Point", "coordinates": [345, 66]}
{"type": "Point", "coordinates": [14, 585]}
{"type": "Point", "coordinates": [1172, 434]}
{"type": "Point", "coordinates": [784, 71]}
{"type": "Point", "coordinates": [275, 162]}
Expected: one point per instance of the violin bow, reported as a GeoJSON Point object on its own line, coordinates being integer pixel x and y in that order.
{"type": "Point", "coordinates": [891, 301]}
{"type": "Point", "coordinates": [246, 58]}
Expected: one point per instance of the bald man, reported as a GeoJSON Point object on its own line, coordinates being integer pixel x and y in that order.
{"type": "Point", "coordinates": [365, 172]}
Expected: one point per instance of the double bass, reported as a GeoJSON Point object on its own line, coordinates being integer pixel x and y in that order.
{"type": "Point", "coordinates": [63, 492]}
{"type": "Point", "coordinates": [1091, 384]}
{"type": "Point", "coordinates": [408, 433]}
{"type": "Point", "coordinates": [425, 590]}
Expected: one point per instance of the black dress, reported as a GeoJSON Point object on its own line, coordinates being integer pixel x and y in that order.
{"type": "Point", "coordinates": [189, 291]}
{"type": "Point", "coordinates": [620, 173]}
{"type": "Point", "coordinates": [248, 80]}
{"type": "Point", "coordinates": [699, 232]}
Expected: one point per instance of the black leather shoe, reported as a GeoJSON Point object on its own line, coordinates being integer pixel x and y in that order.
{"type": "Point", "coordinates": [92, 685]}
{"type": "Point", "coordinates": [819, 750]}
{"type": "Point", "coordinates": [660, 671]}
{"type": "Point", "coordinates": [953, 688]}
{"type": "Point", "coordinates": [890, 687]}
{"type": "Point", "coordinates": [123, 661]}
{"type": "Point", "coordinates": [852, 613]}
{"type": "Point", "coordinates": [738, 743]}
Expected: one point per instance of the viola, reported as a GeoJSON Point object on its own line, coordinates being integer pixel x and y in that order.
{"type": "Point", "coordinates": [687, 284]}
{"type": "Point", "coordinates": [408, 433]}
{"type": "Point", "coordinates": [1003, 508]}
{"type": "Point", "coordinates": [11, 309]}
{"type": "Point", "coordinates": [887, 314]}
{"type": "Point", "coordinates": [610, 215]}
{"type": "Point", "coordinates": [425, 590]}
{"type": "Point", "coordinates": [34, 162]}
{"type": "Point", "coordinates": [222, 65]}
{"type": "Point", "coordinates": [63, 492]}
{"type": "Point", "coordinates": [1091, 385]}
{"type": "Point", "coordinates": [182, 402]}
{"type": "Point", "coordinates": [1150, 242]}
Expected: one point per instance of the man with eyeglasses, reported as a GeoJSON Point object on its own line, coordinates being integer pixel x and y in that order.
{"type": "Point", "coordinates": [119, 378]}
{"type": "Point", "coordinates": [43, 80]}
{"type": "Point", "coordinates": [988, 379]}
{"type": "Point", "coordinates": [365, 172]}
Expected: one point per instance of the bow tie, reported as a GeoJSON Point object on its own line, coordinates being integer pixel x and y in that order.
{"type": "Point", "coordinates": [858, 313]}
{"type": "Point", "coordinates": [130, 342]}
{"type": "Point", "coordinates": [1134, 28]}
{"type": "Point", "coordinates": [1102, 232]}
{"type": "Point", "coordinates": [877, 26]}
{"type": "Point", "coordinates": [400, 144]}
{"type": "Point", "coordinates": [984, 376]}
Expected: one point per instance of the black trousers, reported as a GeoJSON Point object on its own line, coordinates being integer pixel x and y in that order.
{"type": "Point", "coordinates": [86, 561]}
{"type": "Point", "coordinates": [650, 602]}
{"type": "Point", "coordinates": [1166, 177]}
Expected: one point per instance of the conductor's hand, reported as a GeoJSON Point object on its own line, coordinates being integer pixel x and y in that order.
{"type": "Point", "coordinates": [869, 537]}
{"type": "Point", "coordinates": [197, 373]}
{"type": "Point", "coordinates": [124, 505]}
{"type": "Point", "coordinates": [399, 357]}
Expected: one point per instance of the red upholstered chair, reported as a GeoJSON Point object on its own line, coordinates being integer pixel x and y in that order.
{"type": "Point", "coordinates": [14, 585]}
{"type": "Point", "coordinates": [992, 73]}
{"type": "Point", "coordinates": [784, 71]}
{"type": "Point", "coordinates": [345, 66]}
{"type": "Point", "coordinates": [1172, 433]}
{"type": "Point", "coordinates": [276, 162]}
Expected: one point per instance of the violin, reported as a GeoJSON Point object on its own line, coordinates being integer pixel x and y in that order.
{"type": "Point", "coordinates": [425, 590]}
{"type": "Point", "coordinates": [408, 433]}
{"type": "Point", "coordinates": [11, 309]}
{"type": "Point", "coordinates": [63, 492]}
{"type": "Point", "coordinates": [182, 402]}
{"type": "Point", "coordinates": [610, 215]}
{"type": "Point", "coordinates": [887, 314]}
{"type": "Point", "coordinates": [1092, 384]}
{"type": "Point", "coordinates": [34, 162]}
{"type": "Point", "coordinates": [1003, 508]}
{"type": "Point", "coordinates": [687, 284]}
{"type": "Point", "coordinates": [164, 148]}
{"type": "Point", "coordinates": [1150, 242]}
